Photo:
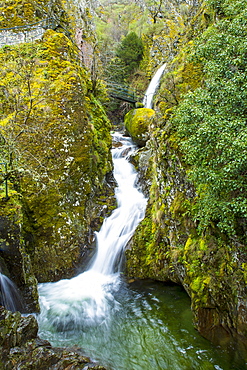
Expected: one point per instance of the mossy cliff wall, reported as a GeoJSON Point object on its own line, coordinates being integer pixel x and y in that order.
{"type": "Point", "coordinates": [194, 232]}
{"type": "Point", "coordinates": [168, 247]}
{"type": "Point", "coordinates": [55, 140]}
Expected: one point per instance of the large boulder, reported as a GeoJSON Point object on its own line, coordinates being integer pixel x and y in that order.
{"type": "Point", "coordinates": [60, 155]}
{"type": "Point", "coordinates": [137, 122]}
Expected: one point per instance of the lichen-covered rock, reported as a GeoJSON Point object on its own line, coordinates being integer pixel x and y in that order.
{"type": "Point", "coordinates": [21, 348]}
{"type": "Point", "coordinates": [23, 13]}
{"type": "Point", "coordinates": [137, 122]}
{"type": "Point", "coordinates": [194, 232]}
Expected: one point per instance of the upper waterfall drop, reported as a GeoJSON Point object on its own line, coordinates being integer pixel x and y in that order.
{"type": "Point", "coordinates": [154, 84]}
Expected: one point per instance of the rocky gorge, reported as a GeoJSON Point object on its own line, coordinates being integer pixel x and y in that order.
{"type": "Point", "coordinates": [55, 139]}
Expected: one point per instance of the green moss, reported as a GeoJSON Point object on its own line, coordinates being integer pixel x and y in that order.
{"type": "Point", "coordinates": [137, 123]}
{"type": "Point", "coordinates": [61, 154]}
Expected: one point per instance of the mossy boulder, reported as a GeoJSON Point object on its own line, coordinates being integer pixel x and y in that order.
{"type": "Point", "coordinates": [137, 122]}
{"type": "Point", "coordinates": [59, 161]}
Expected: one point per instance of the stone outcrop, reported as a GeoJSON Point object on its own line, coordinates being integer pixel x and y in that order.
{"type": "Point", "coordinates": [21, 348]}
{"type": "Point", "coordinates": [61, 158]}
{"type": "Point", "coordinates": [55, 144]}
{"type": "Point", "coordinates": [55, 149]}
{"type": "Point", "coordinates": [194, 232]}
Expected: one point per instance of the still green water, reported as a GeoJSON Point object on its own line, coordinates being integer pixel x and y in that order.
{"type": "Point", "coordinates": [148, 326]}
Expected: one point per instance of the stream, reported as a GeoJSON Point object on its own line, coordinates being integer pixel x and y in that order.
{"type": "Point", "coordinates": [139, 326]}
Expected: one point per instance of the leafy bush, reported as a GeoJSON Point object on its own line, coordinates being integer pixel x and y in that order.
{"type": "Point", "coordinates": [211, 124]}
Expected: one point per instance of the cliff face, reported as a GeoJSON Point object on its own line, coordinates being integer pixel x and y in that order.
{"type": "Point", "coordinates": [194, 232]}
{"type": "Point", "coordinates": [168, 247]}
{"type": "Point", "coordinates": [55, 141]}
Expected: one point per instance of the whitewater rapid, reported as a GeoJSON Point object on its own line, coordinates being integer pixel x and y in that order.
{"type": "Point", "coordinates": [87, 298]}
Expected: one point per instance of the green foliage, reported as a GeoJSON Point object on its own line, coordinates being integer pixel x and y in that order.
{"type": "Point", "coordinates": [115, 71]}
{"type": "Point", "coordinates": [114, 20]}
{"type": "Point", "coordinates": [130, 52]}
{"type": "Point", "coordinates": [227, 8]}
{"type": "Point", "coordinates": [211, 124]}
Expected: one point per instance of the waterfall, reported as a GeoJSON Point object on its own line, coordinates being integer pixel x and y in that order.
{"type": "Point", "coordinates": [87, 299]}
{"type": "Point", "coordinates": [119, 227]}
{"type": "Point", "coordinates": [154, 84]}
{"type": "Point", "coordinates": [9, 294]}
{"type": "Point", "coordinates": [143, 325]}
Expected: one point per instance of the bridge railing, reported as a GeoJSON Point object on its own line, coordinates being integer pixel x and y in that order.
{"type": "Point", "coordinates": [25, 33]}
{"type": "Point", "coordinates": [123, 92]}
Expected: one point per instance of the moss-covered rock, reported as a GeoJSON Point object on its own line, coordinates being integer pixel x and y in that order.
{"type": "Point", "coordinates": [55, 140]}
{"type": "Point", "coordinates": [15, 263]}
{"type": "Point", "coordinates": [21, 348]}
{"type": "Point", "coordinates": [21, 13]}
{"type": "Point", "coordinates": [168, 247]}
{"type": "Point", "coordinates": [137, 122]}
{"type": "Point", "coordinates": [172, 243]}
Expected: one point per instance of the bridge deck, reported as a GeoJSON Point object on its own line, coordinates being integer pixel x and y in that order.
{"type": "Point", "coordinates": [122, 92]}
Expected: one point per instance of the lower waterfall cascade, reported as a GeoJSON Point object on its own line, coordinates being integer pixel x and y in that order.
{"type": "Point", "coordinates": [90, 291]}
{"type": "Point", "coordinates": [123, 326]}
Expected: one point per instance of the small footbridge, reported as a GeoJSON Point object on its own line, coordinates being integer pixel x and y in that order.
{"type": "Point", "coordinates": [123, 92]}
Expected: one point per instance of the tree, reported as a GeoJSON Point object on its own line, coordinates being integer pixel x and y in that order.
{"type": "Point", "coordinates": [130, 52]}
{"type": "Point", "coordinates": [155, 9]}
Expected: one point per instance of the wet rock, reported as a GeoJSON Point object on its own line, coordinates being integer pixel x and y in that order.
{"type": "Point", "coordinates": [14, 261]}
{"type": "Point", "coordinates": [22, 349]}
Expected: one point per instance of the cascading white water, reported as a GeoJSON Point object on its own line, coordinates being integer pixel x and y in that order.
{"type": "Point", "coordinates": [87, 298]}
{"type": "Point", "coordinates": [154, 84]}
{"type": "Point", "coordinates": [122, 327]}
{"type": "Point", "coordinates": [119, 227]}
{"type": "Point", "coordinates": [9, 295]}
